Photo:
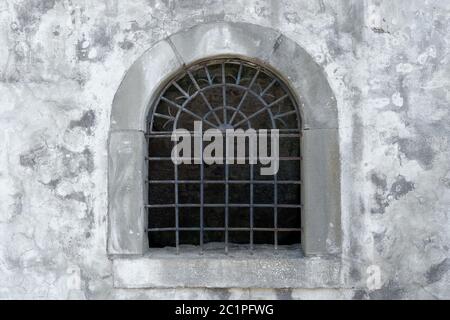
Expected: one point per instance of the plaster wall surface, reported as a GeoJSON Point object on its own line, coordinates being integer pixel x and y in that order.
{"type": "Point", "coordinates": [388, 64]}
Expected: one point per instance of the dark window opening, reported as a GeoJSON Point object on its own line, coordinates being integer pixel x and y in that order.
{"type": "Point", "coordinates": [219, 204]}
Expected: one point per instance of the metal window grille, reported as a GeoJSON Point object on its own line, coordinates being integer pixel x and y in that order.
{"type": "Point", "coordinates": [223, 205]}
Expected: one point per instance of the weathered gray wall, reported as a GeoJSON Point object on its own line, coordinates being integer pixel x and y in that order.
{"type": "Point", "coordinates": [61, 62]}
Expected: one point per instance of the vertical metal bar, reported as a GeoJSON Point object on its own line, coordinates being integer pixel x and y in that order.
{"type": "Point", "coordinates": [226, 205]}
{"type": "Point", "coordinates": [224, 94]}
{"type": "Point", "coordinates": [251, 206]}
{"type": "Point", "coordinates": [300, 189]}
{"type": "Point", "coordinates": [149, 198]}
{"type": "Point", "coordinates": [226, 196]}
{"type": "Point", "coordinates": [177, 231]}
{"type": "Point", "coordinates": [201, 196]}
{"type": "Point", "coordinates": [275, 211]}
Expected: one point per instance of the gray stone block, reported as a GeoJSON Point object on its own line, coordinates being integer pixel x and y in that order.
{"type": "Point", "coordinates": [127, 193]}
{"type": "Point", "coordinates": [321, 194]}
{"type": "Point", "coordinates": [140, 84]}
{"type": "Point", "coordinates": [167, 270]}
{"type": "Point", "coordinates": [224, 38]}
{"type": "Point", "coordinates": [316, 99]}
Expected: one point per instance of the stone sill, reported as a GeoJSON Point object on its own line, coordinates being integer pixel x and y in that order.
{"type": "Point", "coordinates": [287, 268]}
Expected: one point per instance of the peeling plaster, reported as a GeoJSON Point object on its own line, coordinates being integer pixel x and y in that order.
{"type": "Point", "coordinates": [86, 122]}
{"type": "Point", "coordinates": [437, 271]}
{"type": "Point", "coordinates": [384, 195]}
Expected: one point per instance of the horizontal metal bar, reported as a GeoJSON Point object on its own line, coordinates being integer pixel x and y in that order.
{"type": "Point", "coordinates": [168, 135]}
{"type": "Point", "coordinates": [222, 205]}
{"type": "Point", "coordinates": [235, 158]}
{"type": "Point", "coordinates": [223, 181]}
{"type": "Point", "coordinates": [223, 229]}
{"type": "Point", "coordinates": [280, 130]}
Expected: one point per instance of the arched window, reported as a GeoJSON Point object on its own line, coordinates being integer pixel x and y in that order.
{"type": "Point", "coordinates": [198, 206]}
{"type": "Point", "coordinates": [223, 206]}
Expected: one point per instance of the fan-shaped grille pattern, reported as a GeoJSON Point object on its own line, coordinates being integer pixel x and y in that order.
{"type": "Point", "coordinates": [227, 204]}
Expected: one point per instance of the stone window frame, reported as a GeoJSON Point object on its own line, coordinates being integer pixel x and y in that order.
{"type": "Point", "coordinates": [135, 265]}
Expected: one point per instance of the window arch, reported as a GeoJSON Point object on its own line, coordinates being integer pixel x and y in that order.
{"type": "Point", "coordinates": [127, 145]}
{"type": "Point", "coordinates": [232, 204]}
